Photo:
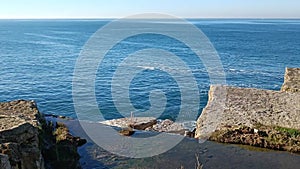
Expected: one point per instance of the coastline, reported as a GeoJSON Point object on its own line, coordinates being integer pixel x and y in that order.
{"type": "Point", "coordinates": [22, 119]}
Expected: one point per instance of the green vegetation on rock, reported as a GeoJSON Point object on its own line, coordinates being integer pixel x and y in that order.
{"type": "Point", "coordinates": [289, 131]}
{"type": "Point", "coordinates": [272, 137]}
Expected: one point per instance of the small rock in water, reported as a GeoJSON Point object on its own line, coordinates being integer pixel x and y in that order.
{"type": "Point", "coordinates": [126, 131]}
{"type": "Point", "coordinates": [188, 133]}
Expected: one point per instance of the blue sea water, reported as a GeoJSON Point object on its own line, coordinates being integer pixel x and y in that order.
{"type": "Point", "coordinates": [37, 60]}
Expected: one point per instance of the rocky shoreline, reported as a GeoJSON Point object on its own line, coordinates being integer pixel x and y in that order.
{"type": "Point", "coordinates": [262, 118]}
{"type": "Point", "coordinates": [29, 141]}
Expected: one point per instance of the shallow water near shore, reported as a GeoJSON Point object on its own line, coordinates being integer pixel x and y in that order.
{"type": "Point", "coordinates": [211, 154]}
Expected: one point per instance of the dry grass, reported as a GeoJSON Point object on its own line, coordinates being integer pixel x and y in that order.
{"type": "Point", "coordinates": [198, 164]}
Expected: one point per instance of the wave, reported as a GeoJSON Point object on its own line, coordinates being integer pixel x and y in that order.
{"type": "Point", "coordinates": [64, 32]}
{"type": "Point", "coordinates": [147, 67]}
{"type": "Point", "coordinates": [50, 43]}
{"type": "Point", "coordinates": [48, 36]}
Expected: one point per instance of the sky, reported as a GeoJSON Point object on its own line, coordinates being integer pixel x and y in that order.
{"type": "Point", "coordinates": [12, 9]}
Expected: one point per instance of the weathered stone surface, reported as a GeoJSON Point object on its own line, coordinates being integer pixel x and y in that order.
{"type": "Point", "coordinates": [19, 135]}
{"type": "Point", "coordinates": [291, 80]}
{"type": "Point", "coordinates": [139, 123]}
{"type": "Point", "coordinates": [26, 138]}
{"type": "Point", "coordinates": [168, 126]}
{"type": "Point", "coordinates": [149, 124]}
{"type": "Point", "coordinates": [231, 106]}
{"type": "Point", "coordinates": [262, 118]}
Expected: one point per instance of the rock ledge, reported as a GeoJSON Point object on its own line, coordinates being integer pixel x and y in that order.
{"type": "Point", "coordinates": [28, 141]}
{"type": "Point", "coordinates": [230, 109]}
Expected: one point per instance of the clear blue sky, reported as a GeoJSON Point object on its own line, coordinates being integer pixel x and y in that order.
{"type": "Point", "coordinates": [123, 8]}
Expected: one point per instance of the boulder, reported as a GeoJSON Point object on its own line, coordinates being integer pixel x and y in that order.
{"type": "Point", "coordinates": [233, 106]}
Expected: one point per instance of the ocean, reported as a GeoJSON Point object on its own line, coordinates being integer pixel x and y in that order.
{"type": "Point", "coordinates": [38, 57]}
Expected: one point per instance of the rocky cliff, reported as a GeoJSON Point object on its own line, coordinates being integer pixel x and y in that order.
{"type": "Point", "coordinates": [28, 141]}
{"type": "Point", "coordinates": [231, 109]}
{"type": "Point", "coordinates": [291, 80]}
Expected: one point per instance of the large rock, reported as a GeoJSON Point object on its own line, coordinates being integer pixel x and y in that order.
{"type": "Point", "coordinates": [232, 106]}
{"type": "Point", "coordinates": [29, 141]}
{"type": "Point", "coordinates": [19, 134]}
{"type": "Point", "coordinates": [291, 80]}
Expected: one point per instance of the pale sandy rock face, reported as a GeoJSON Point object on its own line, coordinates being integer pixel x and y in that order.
{"type": "Point", "coordinates": [229, 106]}
{"type": "Point", "coordinates": [291, 80]}
{"type": "Point", "coordinates": [20, 110]}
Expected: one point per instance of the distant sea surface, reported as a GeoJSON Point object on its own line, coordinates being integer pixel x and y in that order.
{"type": "Point", "coordinates": [37, 60]}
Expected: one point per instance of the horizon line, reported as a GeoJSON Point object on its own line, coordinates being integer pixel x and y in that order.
{"type": "Point", "coordinates": [95, 18]}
